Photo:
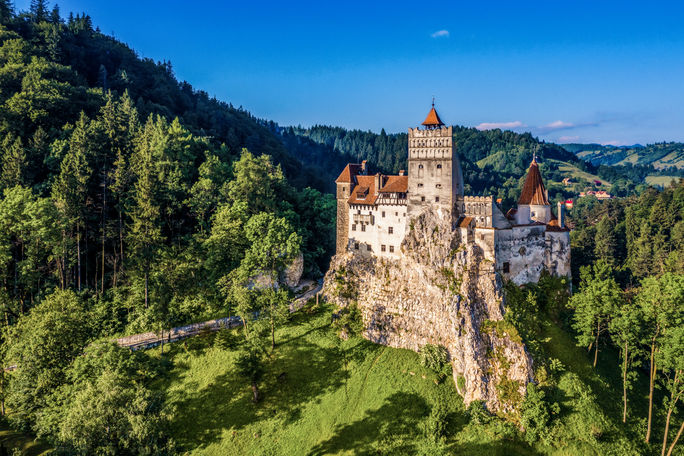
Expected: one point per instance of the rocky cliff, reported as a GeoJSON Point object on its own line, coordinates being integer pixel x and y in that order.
{"type": "Point", "coordinates": [440, 292]}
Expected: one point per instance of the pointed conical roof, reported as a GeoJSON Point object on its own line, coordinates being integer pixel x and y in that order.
{"type": "Point", "coordinates": [533, 191]}
{"type": "Point", "coordinates": [432, 119]}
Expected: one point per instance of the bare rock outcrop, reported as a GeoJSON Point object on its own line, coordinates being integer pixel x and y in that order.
{"type": "Point", "coordinates": [440, 292]}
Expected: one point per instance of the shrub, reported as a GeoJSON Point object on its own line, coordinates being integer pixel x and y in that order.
{"type": "Point", "coordinates": [434, 357]}
{"type": "Point", "coordinates": [226, 339]}
{"type": "Point", "coordinates": [349, 320]}
{"type": "Point", "coordinates": [477, 413]}
{"type": "Point", "coordinates": [536, 413]}
{"type": "Point", "coordinates": [437, 422]}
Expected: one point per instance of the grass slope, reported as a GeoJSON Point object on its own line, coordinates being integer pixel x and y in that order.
{"type": "Point", "coordinates": [661, 181]}
{"type": "Point", "coordinates": [29, 446]}
{"type": "Point", "coordinates": [327, 396]}
{"type": "Point", "coordinates": [321, 396]}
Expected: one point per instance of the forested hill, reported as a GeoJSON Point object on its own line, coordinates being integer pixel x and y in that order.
{"type": "Point", "coordinates": [494, 161]}
{"type": "Point", "coordinates": [665, 156]}
{"type": "Point", "coordinates": [55, 69]}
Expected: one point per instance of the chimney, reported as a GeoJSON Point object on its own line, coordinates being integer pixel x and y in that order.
{"type": "Point", "coordinates": [401, 172]}
{"type": "Point", "coordinates": [363, 167]}
{"type": "Point", "coordinates": [378, 181]}
{"type": "Point", "coordinates": [561, 214]}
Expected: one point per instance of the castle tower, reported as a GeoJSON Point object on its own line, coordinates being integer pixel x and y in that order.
{"type": "Point", "coordinates": [435, 176]}
{"type": "Point", "coordinates": [533, 205]}
{"type": "Point", "coordinates": [344, 183]}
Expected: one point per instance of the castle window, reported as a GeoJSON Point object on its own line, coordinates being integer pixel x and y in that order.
{"type": "Point", "coordinates": [383, 213]}
{"type": "Point", "coordinates": [439, 166]}
{"type": "Point", "coordinates": [391, 249]}
{"type": "Point", "coordinates": [382, 248]}
{"type": "Point", "coordinates": [420, 166]}
{"type": "Point", "coordinates": [438, 185]}
{"type": "Point", "coordinates": [390, 230]}
{"type": "Point", "coordinates": [420, 185]}
{"type": "Point", "coordinates": [506, 267]}
{"type": "Point", "coordinates": [363, 227]}
{"type": "Point", "coordinates": [422, 198]}
{"type": "Point", "coordinates": [353, 226]}
{"type": "Point", "coordinates": [396, 214]}
{"type": "Point", "coordinates": [368, 247]}
{"type": "Point", "coordinates": [356, 245]}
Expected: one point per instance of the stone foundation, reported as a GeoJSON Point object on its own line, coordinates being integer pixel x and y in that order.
{"type": "Point", "coordinates": [439, 292]}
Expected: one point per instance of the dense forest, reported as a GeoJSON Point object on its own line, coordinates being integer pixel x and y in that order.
{"type": "Point", "coordinates": [129, 202]}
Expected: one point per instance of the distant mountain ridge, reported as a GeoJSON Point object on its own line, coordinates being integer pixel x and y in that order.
{"type": "Point", "coordinates": [662, 156]}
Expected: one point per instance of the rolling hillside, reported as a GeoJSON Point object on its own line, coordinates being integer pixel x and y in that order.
{"type": "Point", "coordinates": [661, 156]}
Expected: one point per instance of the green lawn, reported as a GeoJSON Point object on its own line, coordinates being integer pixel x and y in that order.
{"type": "Point", "coordinates": [327, 396]}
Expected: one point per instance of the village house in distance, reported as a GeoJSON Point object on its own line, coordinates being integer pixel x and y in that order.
{"type": "Point", "coordinates": [374, 210]}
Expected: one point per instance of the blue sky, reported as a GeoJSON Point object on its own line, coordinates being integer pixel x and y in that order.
{"type": "Point", "coordinates": [599, 71]}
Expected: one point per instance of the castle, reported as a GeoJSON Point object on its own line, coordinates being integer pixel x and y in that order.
{"type": "Point", "coordinates": [374, 210]}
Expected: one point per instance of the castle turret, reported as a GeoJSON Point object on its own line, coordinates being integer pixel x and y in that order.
{"type": "Point", "coordinates": [345, 182]}
{"type": "Point", "coordinates": [533, 205]}
{"type": "Point", "coordinates": [435, 177]}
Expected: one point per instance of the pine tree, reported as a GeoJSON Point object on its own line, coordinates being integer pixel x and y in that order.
{"type": "Point", "coordinates": [39, 10]}
{"type": "Point", "coordinates": [13, 162]}
{"type": "Point", "coordinates": [70, 188]}
{"type": "Point", "coordinates": [145, 232]}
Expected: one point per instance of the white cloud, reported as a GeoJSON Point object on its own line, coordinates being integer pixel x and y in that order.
{"type": "Point", "coordinates": [501, 125]}
{"type": "Point", "coordinates": [614, 142]}
{"type": "Point", "coordinates": [568, 139]}
{"type": "Point", "coordinates": [441, 34]}
{"type": "Point", "coordinates": [557, 125]}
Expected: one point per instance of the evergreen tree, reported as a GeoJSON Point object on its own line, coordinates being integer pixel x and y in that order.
{"type": "Point", "coordinates": [145, 233]}
{"type": "Point", "coordinates": [70, 188]}
{"type": "Point", "coordinates": [13, 162]}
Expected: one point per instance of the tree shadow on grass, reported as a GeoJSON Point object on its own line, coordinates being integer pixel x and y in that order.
{"type": "Point", "coordinates": [392, 429]}
{"type": "Point", "coordinates": [300, 372]}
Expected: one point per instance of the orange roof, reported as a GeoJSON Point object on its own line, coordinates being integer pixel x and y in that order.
{"type": "Point", "coordinates": [364, 192]}
{"type": "Point", "coordinates": [533, 191]}
{"type": "Point", "coordinates": [395, 184]}
{"type": "Point", "coordinates": [347, 175]}
{"type": "Point", "coordinates": [432, 119]}
{"type": "Point", "coordinates": [465, 223]}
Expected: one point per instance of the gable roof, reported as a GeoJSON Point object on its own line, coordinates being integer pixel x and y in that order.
{"type": "Point", "coordinates": [533, 191]}
{"type": "Point", "coordinates": [394, 184]}
{"type": "Point", "coordinates": [348, 173]}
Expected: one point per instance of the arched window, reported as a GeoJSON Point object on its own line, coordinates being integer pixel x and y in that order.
{"type": "Point", "coordinates": [420, 166]}
{"type": "Point", "coordinates": [439, 166]}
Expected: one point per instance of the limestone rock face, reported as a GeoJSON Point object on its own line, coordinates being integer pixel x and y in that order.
{"type": "Point", "coordinates": [439, 292]}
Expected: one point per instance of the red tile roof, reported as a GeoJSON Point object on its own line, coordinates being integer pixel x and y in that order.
{"type": "Point", "coordinates": [533, 191]}
{"type": "Point", "coordinates": [432, 119]}
{"type": "Point", "coordinates": [394, 184]}
{"type": "Point", "coordinates": [347, 175]}
{"type": "Point", "coordinates": [364, 192]}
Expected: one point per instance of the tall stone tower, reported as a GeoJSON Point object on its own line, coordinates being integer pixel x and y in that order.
{"type": "Point", "coordinates": [344, 183]}
{"type": "Point", "coordinates": [435, 176]}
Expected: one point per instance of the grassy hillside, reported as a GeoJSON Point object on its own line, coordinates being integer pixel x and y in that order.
{"type": "Point", "coordinates": [661, 181]}
{"type": "Point", "coordinates": [661, 156]}
{"type": "Point", "coordinates": [323, 395]}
